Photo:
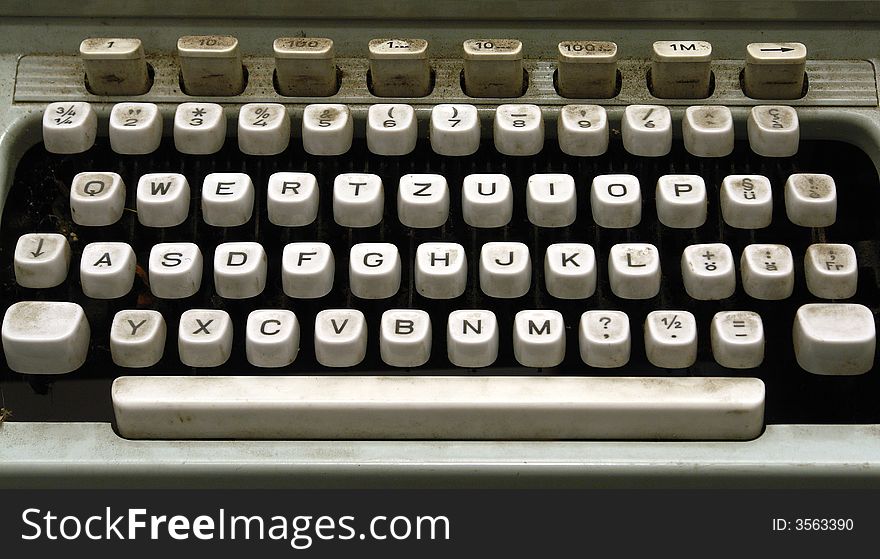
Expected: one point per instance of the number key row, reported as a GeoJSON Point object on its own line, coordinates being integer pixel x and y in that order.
{"type": "Point", "coordinates": [454, 129]}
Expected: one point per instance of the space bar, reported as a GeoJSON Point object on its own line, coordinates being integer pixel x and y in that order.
{"type": "Point", "coordinates": [413, 407]}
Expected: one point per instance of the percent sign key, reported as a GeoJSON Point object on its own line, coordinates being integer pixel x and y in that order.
{"type": "Point", "coordinates": [262, 116]}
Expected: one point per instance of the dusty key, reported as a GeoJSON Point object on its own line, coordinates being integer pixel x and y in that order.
{"type": "Point", "coordinates": [115, 66]}
{"type": "Point", "coordinates": [69, 127]}
{"type": "Point", "coordinates": [438, 408]}
{"type": "Point", "coordinates": [42, 337]}
{"type": "Point", "coordinates": [41, 260]}
{"type": "Point", "coordinates": [835, 339]}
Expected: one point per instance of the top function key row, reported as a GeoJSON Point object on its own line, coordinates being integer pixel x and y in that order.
{"type": "Point", "coordinates": [211, 65]}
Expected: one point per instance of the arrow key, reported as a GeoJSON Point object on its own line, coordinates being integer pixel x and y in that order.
{"type": "Point", "coordinates": [775, 70]}
{"type": "Point", "coordinates": [41, 260]}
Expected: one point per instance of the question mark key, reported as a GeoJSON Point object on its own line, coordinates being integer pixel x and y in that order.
{"type": "Point", "coordinates": [604, 338]}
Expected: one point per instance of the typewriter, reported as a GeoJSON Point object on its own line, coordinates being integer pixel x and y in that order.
{"type": "Point", "coordinates": [445, 244]}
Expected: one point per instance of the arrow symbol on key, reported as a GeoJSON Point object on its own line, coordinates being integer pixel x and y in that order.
{"type": "Point", "coordinates": [39, 252]}
{"type": "Point", "coordinates": [779, 49]}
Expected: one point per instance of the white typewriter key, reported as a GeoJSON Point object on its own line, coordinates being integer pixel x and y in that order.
{"type": "Point", "coordinates": [431, 410]}
{"type": "Point", "coordinates": [175, 270]}
{"type": "Point", "coordinates": [307, 270]}
{"type": "Point", "coordinates": [582, 130]}
{"type": "Point", "coordinates": [69, 127]}
{"type": "Point", "coordinates": [539, 338]}
{"type": "Point", "coordinates": [774, 70]}
{"type": "Point", "coordinates": [472, 338]}
{"type": "Point", "coordinates": [97, 199]}
{"type": "Point", "coordinates": [616, 201]}
{"type": "Point", "coordinates": [199, 128]}
{"type": "Point", "coordinates": [45, 338]}
{"type": "Point", "coordinates": [106, 270]}
{"type": "Point", "coordinates": [210, 65]}
{"type": "Point", "coordinates": [340, 337]}
{"type": "Point", "coordinates": [671, 339]}
{"type": "Point", "coordinates": [647, 130]}
{"type": "Point", "coordinates": [292, 199]}
{"type": "Point", "coordinates": [681, 201]}
{"type": "Point", "coordinates": [204, 338]}
{"type": "Point", "coordinates": [327, 129]}
{"type": "Point", "coordinates": [115, 66]}
{"type": "Point", "coordinates": [305, 66]}
{"type": "Point", "coordinates": [767, 272]}
{"type": "Point", "coordinates": [551, 200]}
{"type": "Point", "coordinates": [272, 338]}
{"type": "Point", "coordinates": [454, 130]}
{"type": "Point", "coordinates": [681, 69]}
{"type": "Point", "coordinates": [137, 338]}
{"type": "Point", "coordinates": [263, 128]}
{"type": "Point", "coordinates": [162, 199]}
{"type": "Point", "coordinates": [570, 270]}
{"type": "Point", "coordinates": [391, 129]}
{"type": "Point", "coordinates": [774, 130]}
{"type": "Point", "coordinates": [834, 339]}
{"type": "Point", "coordinates": [586, 69]}
{"type": "Point", "coordinates": [41, 260]}
{"type": "Point", "coordinates": [737, 339]}
{"type": "Point", "coordinates": [358, 200]}
{"type": "Point", "coordinates": [135, 128]}
{"type": "Point", "coordinates": [634, 270]}
{"type": "Point", "coordinates": [405, 337]}
{"type": "Point", "coordinates": [505, 270]}
{"type": "Point", "coordinates": [486, 200]}
{"type": "Point", "coordinates": [239, 270]}
{"type": "Point", "coordinates": [441, 270]}
{"type": "Point", "coordinates": [707, 271]}
{"type": "Point", "coordinates": [227, 199]}
{"type": "Point", "coordinates": [374, 270]}
{"type": "Point", "coordinates": [493, 67]}
{"type": "Point", "coordinates": [519, 129]}
{"type": "Point", "coordinates": [399, 67]}
{"type": "Point", "coordinates": [746, 201]}
{"type": "Point", "coordinates": [604, 339]}
{"type": "Point", "coordinates": [811, 200]}
{"type": "Point", "coordinates": [422, 201]}
{"type": "Point", "coordinates": [831, 271]}
{"type": "Point", "coordinates": [708, 131]}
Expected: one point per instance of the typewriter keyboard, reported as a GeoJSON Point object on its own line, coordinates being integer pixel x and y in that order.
{"type": "Point", "coordinates": [228, 286]}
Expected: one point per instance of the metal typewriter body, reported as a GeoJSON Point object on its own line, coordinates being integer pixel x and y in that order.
{"type": "Point", "coordinates": [38, 65]}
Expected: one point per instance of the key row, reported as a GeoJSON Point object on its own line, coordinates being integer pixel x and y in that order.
{"type": "Point", "coordinates": [423, 200]}
{"type": "Point", "coordinates": [392, 129]}
{"type": "Point", "coordinates": [308, 269]}
{"type": "Point", "coordinates": [53, 338]}
{"type": "Point", "coordinates": [306, 66]}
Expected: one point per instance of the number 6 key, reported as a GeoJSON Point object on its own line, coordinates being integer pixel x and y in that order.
{"type": "Point", "coordinates": [391, 129]}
